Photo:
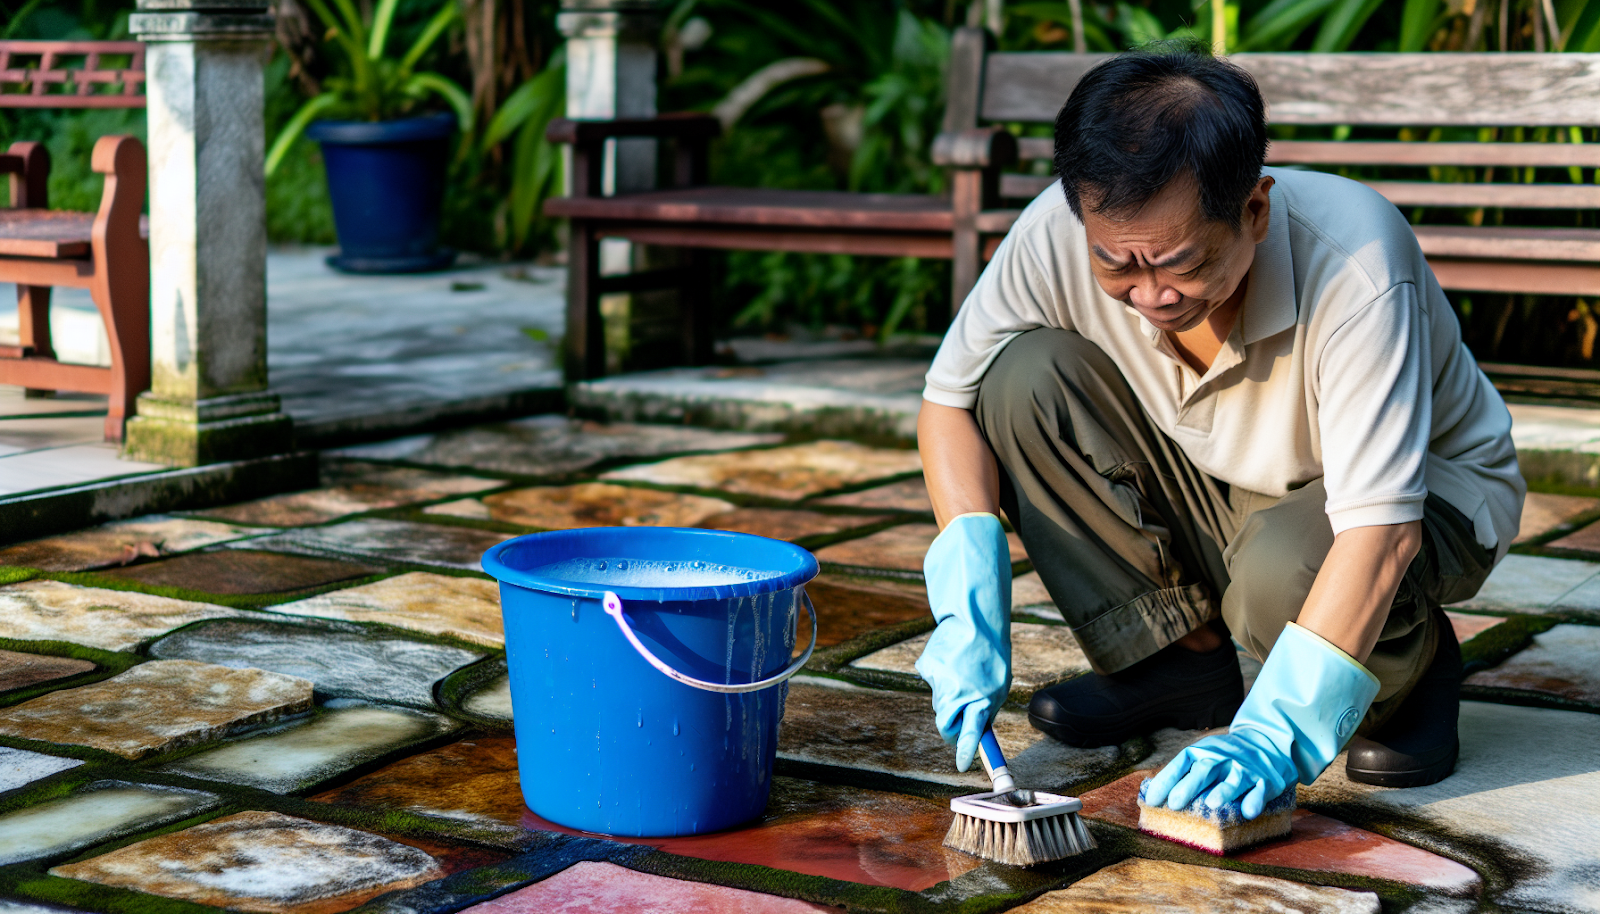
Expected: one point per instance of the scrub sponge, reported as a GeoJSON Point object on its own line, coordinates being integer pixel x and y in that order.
{"type": "Point", "coordinates": [1217, 831]}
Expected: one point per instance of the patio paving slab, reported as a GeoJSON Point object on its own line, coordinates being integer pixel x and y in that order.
{"type": "Point", "coordinates": [847, 607]}
{"type": "Point", "coordinates": [1029, 596]}
{"type": "Point", "coordinates": [157, 706]}
{"type": "Point", "coordinates": [343, 664]}
{"type": "Point", "coordinates": [1316, 843]}
{"type": "Point", "coordinates": [1530, 584]}
{"type": "Point", "coordinates": [493, 701]}
{"type": "Point", "coordinates": [94, 616]}
{"type": "Point", "coordinates": [863, 836]}
{"type": "Point", "coordinates": [435, 604]}
{"type": "Point", "coordinates": [1542, 513]}
{"type": "Point", "coordinates": [99, 812]}
{"type": "Point", "coordinates": [787, 473]}
{"type": "Point", "coordinates": [391, 541]}
{"type": "Point", "coordinates": [1041, 655]}
{"type": "Point", "coordinates": [23, 907]}
{"type": "Point", "coordinates": [553, 444]}
{"type": "Point", "coordinates": [1526, 792]}
{"type": "Point", "coordinates": [1160, 887]}
{"type": "Point", "coordinates": [1563, 662]}
{"type": "Point", "coordinates": [1468, 626]}
{"type": "Point", "coordinates": [605, 888]}
{"type": "Point", "coordinates": [598, 504]}
{"type": "Point", "coordinates": [287, 759]}
{"type": "Point", "coordinates": [262, 862]}
{"type": "Point", "coordinates": [788, 523]}
{"type": "Point", "coordinates": [356, 488]}
{"type": "Point", "coordinates": [887, 732]}
{"type": "Point", "coordinates": [242, 572]}
{"type": "Point", "coordinates": [1584, 539]}
{"type": "Point", "coordinates": [905, 495]}
{"type": "Point", "coordinates": [899, 548]}
{"type": "Point", "coordinates": [19, 767]}
{"type": "Point", "coordinates": [18, 670]}
{"type": "Point", "coordinates": [119, 543]}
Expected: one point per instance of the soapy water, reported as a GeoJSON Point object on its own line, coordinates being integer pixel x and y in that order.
{"type": "Point", "coordinates": [618, 572]}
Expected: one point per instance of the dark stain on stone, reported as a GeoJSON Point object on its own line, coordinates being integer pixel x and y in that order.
{"type": "Point", "coordinates": [242, 571]}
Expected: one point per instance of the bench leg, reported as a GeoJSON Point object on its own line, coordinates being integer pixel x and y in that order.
{"type": "Point", "coordinates": [33, 326]}
{"type": "Point", "coordinates": [585, 333]}
{"type": "Point", "coordinates": [698, 300]}
{"type": "Point", "coordinates": [121, 285]}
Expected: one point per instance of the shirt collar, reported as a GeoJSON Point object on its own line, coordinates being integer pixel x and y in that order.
{"type": "Point", "coordinates": [1269, 301]}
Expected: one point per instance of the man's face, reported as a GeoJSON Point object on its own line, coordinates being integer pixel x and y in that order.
{"type": "Point", "coordinates": [1169, 262]}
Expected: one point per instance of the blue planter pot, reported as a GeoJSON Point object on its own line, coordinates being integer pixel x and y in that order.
{"type": "Point", "coordinates": [386, 179]}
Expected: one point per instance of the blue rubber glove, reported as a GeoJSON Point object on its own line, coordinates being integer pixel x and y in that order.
{"type": "Point", "coordinates": [1303, 709]}
{"type": "Point", "coordinates": [968, 657]}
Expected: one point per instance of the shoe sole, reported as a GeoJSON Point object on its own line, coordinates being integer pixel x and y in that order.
{"type": "Point", "coordinates": [1416, 777]}
{"type": "Point", "coordinates": [1215, 715]}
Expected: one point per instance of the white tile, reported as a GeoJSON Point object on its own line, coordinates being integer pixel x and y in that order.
{"type": "Point", "coordinates": [1528, 583]}
{"type": "Point", "coordinates": [66, 466]}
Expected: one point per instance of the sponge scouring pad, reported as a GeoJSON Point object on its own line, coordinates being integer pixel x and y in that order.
{"type": "Point", "coordinates": [1217, 831]}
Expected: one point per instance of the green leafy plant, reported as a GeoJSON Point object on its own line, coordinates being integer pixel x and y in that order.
{"type": "Point", "coordinates": [535, 164]}
{"type": "Point", "coordinates": [376, 86]}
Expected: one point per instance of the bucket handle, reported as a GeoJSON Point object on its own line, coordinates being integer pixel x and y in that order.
{"type": "Point", "coordinates": [613, 608]}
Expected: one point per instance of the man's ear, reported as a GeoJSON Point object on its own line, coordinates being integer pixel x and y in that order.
{"type": "Point", "coordinates": [1258, 210]}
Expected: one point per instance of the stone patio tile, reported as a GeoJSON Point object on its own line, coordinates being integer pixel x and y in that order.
{"type": "Point", "coordinates": [788, 473]}
{"type": "Point", "coordinates": [8, 906]}
{"type": "Point", "coordinates": [1028, 596]}
{"type": "Point", "coordinates": [1469, 625]}
{"type": "Point", "coordinates": [1529, 583]}
{"type": "Point", "coordinates": [346, 664]}
{"type": "Point", "coordinates": [470, 508]}
{"type": "Point", "coordinates": [847, 607]}
{"type": "Point", "coordinates": [353, 488]}
{"type": "Point", "coordinates": [1041, 655]}
{"type": "Point", "coordinates": [19, 767]}
{"type": "Point", "coordinates": [899, 548]}
{"type": "Point", "coordinates": [1542, 513]}
{"type": "Point", "coordinates": [99, 812]}
{"type": "Point", "coordinates": [262, 862]}
{"type": "Point", "coordinates": [1585, 540]}
{"type": "Point", "coordinates": [114, 620]}
{"type": "Point", "coordinates": [605, 888]}
{"type": "Point", "coordinates": [862, 836]}
{"type": "Point", "coordinates": [598, 504]}
{"type": "Point", "coordinates": [436, 604]}
{"type": "Point", "coordinates": [18, 670]}
{"type": "Point", "coordinates": [122, 542]}
{"type": "Point", "coordinates": [787, 523]}
{"type": "Point", "coordinates": [1563, 662]}
{"type": "Point", "coordinates": [157, 706]}
{"type": "Point", "coordinates": [493, 701]}
{"type": "Point", "coordinates": [1160, 887]}
{"type": "Point", "coordinates": [290, 757]}
{"type": "Point", "coordinates": [1527, 787]}
{"type": "Point", "coordinates": [242, 571]}
{"type": "Point", "coordinates": [1316, 843]}
{"type": "Point", "coordinates": [392, 541]}
{"type": "Point", "coordinates": [889, 732]}
{"type": "Point", "coordinates": [905, 495]}
{"type": "Point", "coordinates": [553, 444]}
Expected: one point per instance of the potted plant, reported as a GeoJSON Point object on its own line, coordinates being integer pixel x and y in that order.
{"type": "Point", "coordinates": [385, 157]}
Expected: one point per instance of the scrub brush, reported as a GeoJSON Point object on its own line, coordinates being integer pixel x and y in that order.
{"type": "Point", "coordinates": [1014, 825]}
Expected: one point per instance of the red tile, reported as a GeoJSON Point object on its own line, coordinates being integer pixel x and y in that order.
{"type": "Point", "coordinates": [1317, 843]}
{"type": "Point", "coordinates": [605, 888]}
{"type": "Point", "coordinates": [1468, 626]}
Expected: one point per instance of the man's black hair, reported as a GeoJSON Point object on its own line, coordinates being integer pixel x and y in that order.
{"type": "Point", "coordinates": [1144, 118]}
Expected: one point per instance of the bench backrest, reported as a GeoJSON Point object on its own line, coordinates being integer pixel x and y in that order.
{"type": "Point", "coordinates": [1360, 90]}
{"type": "Point", "coordinates": [71, 74]}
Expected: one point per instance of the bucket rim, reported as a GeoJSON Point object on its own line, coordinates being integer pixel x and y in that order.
{"type": "Point", "coordinates": [494, 565]}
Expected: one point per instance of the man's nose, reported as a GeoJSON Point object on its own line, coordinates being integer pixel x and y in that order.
{"type": "Point", "coordinates": [1149, 293]}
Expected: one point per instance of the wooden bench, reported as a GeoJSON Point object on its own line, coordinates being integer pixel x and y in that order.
{"type": "Point", "coordinates": [992, 93]}
{"type": "Point", "coordinates": [105, 252]}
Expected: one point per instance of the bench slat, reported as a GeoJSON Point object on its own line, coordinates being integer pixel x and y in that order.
{"type": "Point", "coordinates": [1517, 196]}
{"type": "Point", "coordinates": [45, 233]}
{"type": "Point", "coordinates": [766, 207]}
{"type": "Point", "coordinates": [1443, 89]}
{"type": "Point", "coordinates": [1509, 243]}
{"type": "Point", "coordinates": [1545, 155]}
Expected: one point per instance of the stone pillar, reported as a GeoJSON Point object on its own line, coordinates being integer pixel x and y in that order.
{"type": "Point", "coordinates": [208, 400]}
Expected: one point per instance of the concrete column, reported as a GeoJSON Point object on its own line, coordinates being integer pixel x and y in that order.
{"type": "Point", "coordinates": [611, 73]}
{"type": "Point", "coordinates": [208, 400]}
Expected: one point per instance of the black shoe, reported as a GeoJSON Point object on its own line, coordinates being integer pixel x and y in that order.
{"type": "Point", "coordinates": [1175, 687]}
{"type": "Point", "coordinates": [1419, 745]}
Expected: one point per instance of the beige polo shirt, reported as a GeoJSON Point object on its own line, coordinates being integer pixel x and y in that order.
{"type": "Point", "coordinates": [1346, 361]}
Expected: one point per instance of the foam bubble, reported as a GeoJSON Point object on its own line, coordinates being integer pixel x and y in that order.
{"type": "Point", "coordinates": [618, 572]}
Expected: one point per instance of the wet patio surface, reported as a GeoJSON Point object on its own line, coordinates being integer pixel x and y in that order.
{"type": "Point", "coordinates": [301, 705]}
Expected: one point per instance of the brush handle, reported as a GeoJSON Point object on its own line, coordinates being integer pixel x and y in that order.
{"type": "Point", "coordinates": [994, 762]}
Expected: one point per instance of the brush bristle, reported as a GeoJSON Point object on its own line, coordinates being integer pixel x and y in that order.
{"type": "Point", "coordinates": [1020, 843]}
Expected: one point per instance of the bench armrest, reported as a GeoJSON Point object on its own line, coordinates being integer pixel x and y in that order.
{"type": "Point", "coordinates": [686, 126]}
{"type": "Point", "coordinates": [980, 147]}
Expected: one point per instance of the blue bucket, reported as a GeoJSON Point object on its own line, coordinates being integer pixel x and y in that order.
{"type": "Point", "coordinates": [644, 711]}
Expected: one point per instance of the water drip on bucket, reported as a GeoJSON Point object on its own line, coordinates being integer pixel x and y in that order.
{"type": "Point", "coordinates": [574, 610]}
{"type": "Point", "coordinates": [674, 727]}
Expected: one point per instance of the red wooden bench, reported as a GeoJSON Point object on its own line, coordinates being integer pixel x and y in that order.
{"type": "Point", "coordinates": [991, 93]}
{"type": "Point", "coordinates": [105, 252]}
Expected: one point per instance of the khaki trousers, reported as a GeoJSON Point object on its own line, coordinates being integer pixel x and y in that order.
{"type": "Point", "coordinates": [1138, 547]}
